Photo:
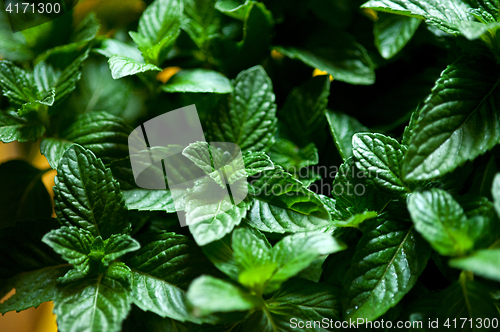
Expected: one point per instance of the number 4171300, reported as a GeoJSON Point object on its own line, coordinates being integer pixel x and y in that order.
{"type": "Point", "coordinates": [41, 8]}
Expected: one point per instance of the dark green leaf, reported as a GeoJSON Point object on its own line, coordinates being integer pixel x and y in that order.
{"type": "Point", "coordinates": [15, 128]}
{"type": "Point", "coordinates": [393, 32]}
{"type": "Point", "coordinates": [343, 127]}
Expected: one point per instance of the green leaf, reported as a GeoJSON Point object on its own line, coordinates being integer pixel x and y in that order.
{"type": "Point", "coordinates": [441, 221]}
{"type": "Point", "coordinates": [23, 194]}
{"type": "Point", "coordinates": [17, 85]}
{"type": "Point", "coordinates": [87, 196]}
{"type": "Point", "coordinates": [474, 30]}
{"type": "Point", "coordinates": [149, 200]}
{"type": "Point", "coordinates": [343, 127]}
{"type": "Point", "coordinates": [210, 217]}
{"type": "Point", "coordinates": [105, 134]}
{"type": "Point", "coordinates": [73, 244]}
{"type": "Point", "coordinates": [388, 260]}
{"type": "Point", "coordinates": [118, 245]}
{"type": "Point", "coordinates": [233, 8]}
{"type": "Point", "coordinates": [32, 288]}
{"type": "Point", "coordinates": [484, 263]}
{"type": "Point", "coordinates": [304, 109]}
{"type": "Point", "coordinates": [256, 162]}
{"type": "Point", "coordinates": [383, 156]}
{"type": "Point", "coordinates": [158, 28]}
{"type": "Point", "coordinates": [200, 21]}
{"type": "Point", "coordinates": [14, 128]}
{"type": "Point", "coordinates": [122, 66]}
{"type": "Point", "coordinates": [250, 248]}
{"type": "Point", "coordinates": [495, 192]}
{"type": "Point", "coordinates": [296, 252]}
{"type": "Point", "coordinates": [290, 157]}
{"type": "Point", "coordinates": [279, 188]}
{"type": "Point", "coordinates": [208, 295]}
{"type": "Point", "coordinates": [98, 303]}
{"type": "Point", "coordinates": [356, 219]}
{"type": "Point", "coordinates": [221, 255]}
{"type": "Point", "coordinates": [251, 120]}
{"type": "Point", "coordinates": [198, 80]}
{"type": "Point", "coordinates": [276, 219]}
{"type": "Point", "coordinates": [166, 262]}
{"type": "Point", "coordinates": [456, 123]}
{"type": "Point", "coordinates": [344, 59]}
{"type": "Point", "coordinates": [45, 99]}
{"type": "Point", "coordinates": [393, 32]}
{"type": "Point", "coordinates": [444, 16]}
{"type": "Point", "coordinates": [111, 47]}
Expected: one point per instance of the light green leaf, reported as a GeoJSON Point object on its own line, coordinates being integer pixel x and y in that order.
{"type": "Point", "coordinates": [388, 260]}
{"type": "Point", "coordinates": [221, 255]}
{"type": "Point", "coordinates": [210, 217]}
{"type": "Point", "coordinates": [474, 30]}
{"type": "Point", "coordinates": [441, 221]}
{"type": "Point", "coordinates": [495, 192]}
{"type": "Point", "coordinates": [276, 219]}
{"type": "Point", "coordinates": [32, 288]}
{"type": "Point", "coordinates": [251, 120]}
{"type": "Point", "coordinates": [356, 219]}
{"type": "Point", "coordinates": [250, 248]}
{"type": "Point", "coordinates": [98, 303]}
{"type": "Point", "coordinates": [344, 59]}
{"type": "Point", "coordinates": [149, 200]}
{"type": "Point", "coordinates": [343, 127]}
{"type": "Point", "coordinates": [87, 196]}
{"type": "Point", "coordinates": [381, 157]}
{"type": "Point", "coordinates": [304, 110]}
{"type": "Point", "coordinates": [456, 123]}
{"type": "Point", "coordinates": [393, 32]}
{"type": "Point", "coordinates": [444, 15]}
{"type": "Point", "coordinates": [198, 80]}
{"type": "Point", "coordinates": [105, 134]}
{"type": "Point", "coordinates": [199, 154]}
{"type": "Point", "coordinates": [73, 244]}
{"type": "Point", "coordinates": [208, 295]}
{"type": "Point", "coordinates": [122, 66]}
{"type": "Point", "coordinates": [484, 263]}
{"type": "Point", "coordinates": [233, 8]}
{"type": "Point", "coordinates": [256, 162]}
{"type": "Point", "coordinates": [14, 128]}
{"type": "Point", "coordinates": [158, 28]}
{"type": "Point", "coordinates": [110, 47]}
{"type": "Point", "coordinates": [278, 187]}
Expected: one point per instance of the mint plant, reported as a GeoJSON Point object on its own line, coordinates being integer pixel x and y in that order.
{"type": "Point", "coordinates": [369, 136]}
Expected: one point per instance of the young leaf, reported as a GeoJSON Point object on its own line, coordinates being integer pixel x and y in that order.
{"type": "Point", "coordinates": [98, 303]}
{"type": "Point", "coordinates": [383, 156]}
{"type": "Point", "coordinates": [388, 260]}
{"type": "Point", "coordinates": [122, 66]}
{"type": "Point", "coordinates": [393, 32]}
{"type": "Point", "coordinates": [208, 295]}
{"type": "Point", "coordinates": [158, 28]}
{"type": "Point", "coordinates": [210, 217]}
{"type": "Point", "coordinates": [118, 245]}
{"type": "Point", "coordinates": [221, 254]}
{"type": "Point", "coordinates": [87, 196]}
{"type": "Point", "coordinates": [250, 248]}
{"type": "Point", "coordinates": [256, 162]}
{"type": "Point", "coordinates": [251, 120]}
{"type": "Point", "coordinates": [17, 85]}
{"type": "Point", "coordinates": [441, 221]}
{"type": "Point", "coordinates": [198, 80]}
{"type": "Point", "coordinates": [456, 123]}
{"type": "Point", "coordinates": [343, 127]}
{"type": "Point", "coordinates": [304, 110]}
{"type": "Point", "coordinates": [149, 200]}
{"type": "Point", "coordinates": [288, 155]}
{"type": "Point", "coordinates": [484, 263]}
{"type": "Point", "coordinates": [445, 16]}
{"type": "Point", "coordinates": [73, 244]}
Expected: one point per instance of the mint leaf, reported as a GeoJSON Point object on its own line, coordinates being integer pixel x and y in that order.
{"type": "Point", "coordinates": [98, 303]}
{"type": "Point", "coordinates": [198, 80]}
{"type": "Point", "coordinates": [158, 28]}
{"type": "Point", "coordinates": [208, 295]}
{"type": "Point", "coordinates": [343, 127]}
{"type": "Point", "coordinates": [393, 32]}
{"type": "Point", "coordinates": [149, 200]}
{"type": "Point", "coordinates": [14, 128]}
{"type": "Point", "coordinates": [436, 13]}
{"type": "Point", "coordinates": [256, 162]}
{"type": "Point", "coordinates": [122, 66]}
{"type": "Point", "coordinates": [484, 263]}
{"type": "Point", "coordinates": [32, 288]}
{"type": "Point", "coordinates": [304, 110]}
{"type": "Point", "coordinates": [105, 134]}
{"type": "Point", "coordinates": [441, 221]}
{"type": "Point", "coordinates": [250, 121]}
{"type": "Point", "coordinates": [87, 196]}
{"type": "Point", "coordinates": [73, 244]}
{"type": "Point", "coordinates": [17, 85]}
{"type": "Point", "coordinates": [388, 260]}
{"type": "Point", "coordinates": [292, 158]}
{"type": "Point", "coordinates": [495, 192]}
{"type": "Point", "coordinates": [118, 245]}
{"type": "Point", "coordinates": [381, 155]}
{"type": "Point", "coordinates": [221, 254]}
{"type": "Point", "coordinates": [443, 139]}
